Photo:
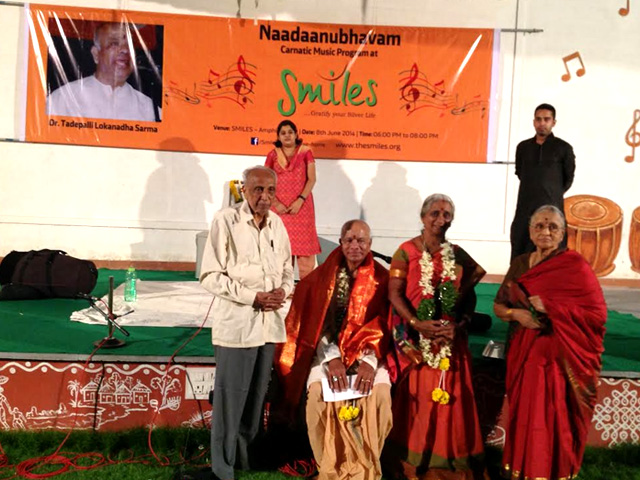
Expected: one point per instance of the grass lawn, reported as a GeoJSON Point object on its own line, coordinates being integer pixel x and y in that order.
{"type": "Point", "coordinates": [128, 456]}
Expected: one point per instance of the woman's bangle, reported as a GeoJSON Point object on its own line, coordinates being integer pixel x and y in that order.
{"type": "Point", "coordinates": [509, 313]}
{"type": "Point", "coordinates": [302, 197]}
{"type": "Point", "coordinates": [412, 321]}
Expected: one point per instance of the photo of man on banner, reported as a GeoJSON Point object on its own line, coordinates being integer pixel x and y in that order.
{"type": "Point", "coordinates": [106, 70]}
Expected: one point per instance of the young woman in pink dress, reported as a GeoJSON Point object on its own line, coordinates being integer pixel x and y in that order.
{"type": "Point", "coordinates": [295, 166]}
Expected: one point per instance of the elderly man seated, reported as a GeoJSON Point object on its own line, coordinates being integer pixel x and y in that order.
{"type": "Point", "coordinates": [336, 329]}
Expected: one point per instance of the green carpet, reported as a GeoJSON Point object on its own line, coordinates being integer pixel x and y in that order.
{"type": "Point", "coordinates": [621, 341]}
{"type": "Point", "coordinates": [43, 326]}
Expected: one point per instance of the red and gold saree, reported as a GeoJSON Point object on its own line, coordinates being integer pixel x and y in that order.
{"type": "Point", "coordinates": [552, 373]}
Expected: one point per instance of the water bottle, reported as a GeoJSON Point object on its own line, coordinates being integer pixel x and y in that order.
{"type": "Point", "coordinates": [130, 292]}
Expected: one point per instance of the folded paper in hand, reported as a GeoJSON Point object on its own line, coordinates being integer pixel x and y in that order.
{"type": "Point", "coordinates": [350, 393]}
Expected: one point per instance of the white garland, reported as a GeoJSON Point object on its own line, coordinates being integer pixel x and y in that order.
{"type": "Point", "coordinates": [426, 268]}
{"type": "Point", "coordinates": [428, 357]}
{"type": "Point", "coordinates": [426, 273]}
{"type": "Point", "coordinates": [428, 290]}
{"type": "Point", "coordinates": [448, 262]}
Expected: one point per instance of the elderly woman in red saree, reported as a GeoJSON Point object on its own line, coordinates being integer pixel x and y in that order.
{"type": "Point", "coordinates": [557, 312]}
{"type": "Point", "coordinates": [295, 166]}
{"type": "Point", "coordinates": [436, 432]}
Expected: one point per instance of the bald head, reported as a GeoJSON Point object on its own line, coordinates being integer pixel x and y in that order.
{"type": "Point", "coordinates": [347, 226]}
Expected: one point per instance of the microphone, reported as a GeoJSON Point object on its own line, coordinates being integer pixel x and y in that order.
{"type": "Point", "coordinates": [110, 317]}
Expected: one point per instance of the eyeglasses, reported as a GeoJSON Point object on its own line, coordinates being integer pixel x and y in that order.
{"type": "Point", "coordinates": [540, 227]}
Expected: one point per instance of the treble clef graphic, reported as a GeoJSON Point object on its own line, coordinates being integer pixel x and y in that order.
{"type": "Point", "coordinates": [245, 84]}
{"type": "Point", "coordinates": [633, 137]}
{"type": "Point", "coordinates": [413, 93]}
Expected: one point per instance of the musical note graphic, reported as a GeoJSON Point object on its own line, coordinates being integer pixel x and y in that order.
{"type": "Point", "coordinates": [441, 82]}
{"type": "Point", "coordinates": [624, 11]}
{"type": "Point", "coordinates": [580, 71]}
{"type": "Point", "coordinates": [633, 137]}
{"type": "Point", "coordinates": [182, 94]}
{"type": "Point", "coordinates": [236, 84]}
{"type": "Point", "coordinates": [473, 106]}
{"type": "Point", "coordinates": [240, 86]}
{"type": "Point", "coordinates": [214, 77]}
{"type": "Point", "coordinates": [416, 92]}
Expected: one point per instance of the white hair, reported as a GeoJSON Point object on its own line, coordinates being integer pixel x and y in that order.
{"type": "Point", "coordinates": [550, 208]}
{"type": "Point", "coordinates": [437, 197]}
{"type": "Point", "coordinates": [258, 168]}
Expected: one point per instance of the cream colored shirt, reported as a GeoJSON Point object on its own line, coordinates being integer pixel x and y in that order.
{"type": "Point", "coordinates": [239, 261]}
{"type": "Point", "coordinates": [89, 98]}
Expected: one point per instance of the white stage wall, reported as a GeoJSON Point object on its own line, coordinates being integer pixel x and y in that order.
{"type": "Point", "coordinates": [121, 204]}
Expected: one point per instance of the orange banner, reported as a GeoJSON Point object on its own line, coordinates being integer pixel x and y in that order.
{"type": "Point", "coordinates": [221, 85]}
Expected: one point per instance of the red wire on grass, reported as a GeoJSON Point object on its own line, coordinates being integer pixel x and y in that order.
{"type": "Point", "coordinates": [169, 363]}
{"type": "Point", "coordinates": [300, 468]}
{"type": "Point", "coordinates": [25, 469]}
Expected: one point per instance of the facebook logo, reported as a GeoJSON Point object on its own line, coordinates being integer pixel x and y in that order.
{"type": "Point", "coordinates": [254, 140]}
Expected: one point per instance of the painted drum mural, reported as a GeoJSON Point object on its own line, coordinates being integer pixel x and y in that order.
{"type": "Point", "coordinates": [634, 241]}
{"type": "Point", "coordinates": [594, 228]}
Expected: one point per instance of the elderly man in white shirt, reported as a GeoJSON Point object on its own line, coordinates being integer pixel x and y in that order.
{"type": "Point", "coordinates": [247, 266]}
{"type": "Point", "coordinates": [106, 94]}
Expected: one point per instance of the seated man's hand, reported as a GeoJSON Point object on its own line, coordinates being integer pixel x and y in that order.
{"type": "Point", "coordinates": [337, 375]}
{"type": "Point", "coordinates": [267, 302]}
{"type": "Point", "coordinates": [364, 379]}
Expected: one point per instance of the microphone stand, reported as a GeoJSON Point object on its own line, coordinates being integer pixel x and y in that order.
{"type": "Point", "coordinates": [109, 341]}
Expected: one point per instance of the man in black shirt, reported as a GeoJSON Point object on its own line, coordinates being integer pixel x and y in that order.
{"type": "Point", "coordinates": [545, 166]}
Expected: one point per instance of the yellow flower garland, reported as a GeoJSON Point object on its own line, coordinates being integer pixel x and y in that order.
{"type": "Point", "coordinates": [445, 363]}
{"type": "Point", "coordinates": [440, 396]}
{"type": "Point", "coordinates": [235, 189]}
{"type": "Point", "coordinates": [348, 412]}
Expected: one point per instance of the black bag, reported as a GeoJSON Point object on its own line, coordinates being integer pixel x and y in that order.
{"type": "Point", "coordinates": [45, 274]}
